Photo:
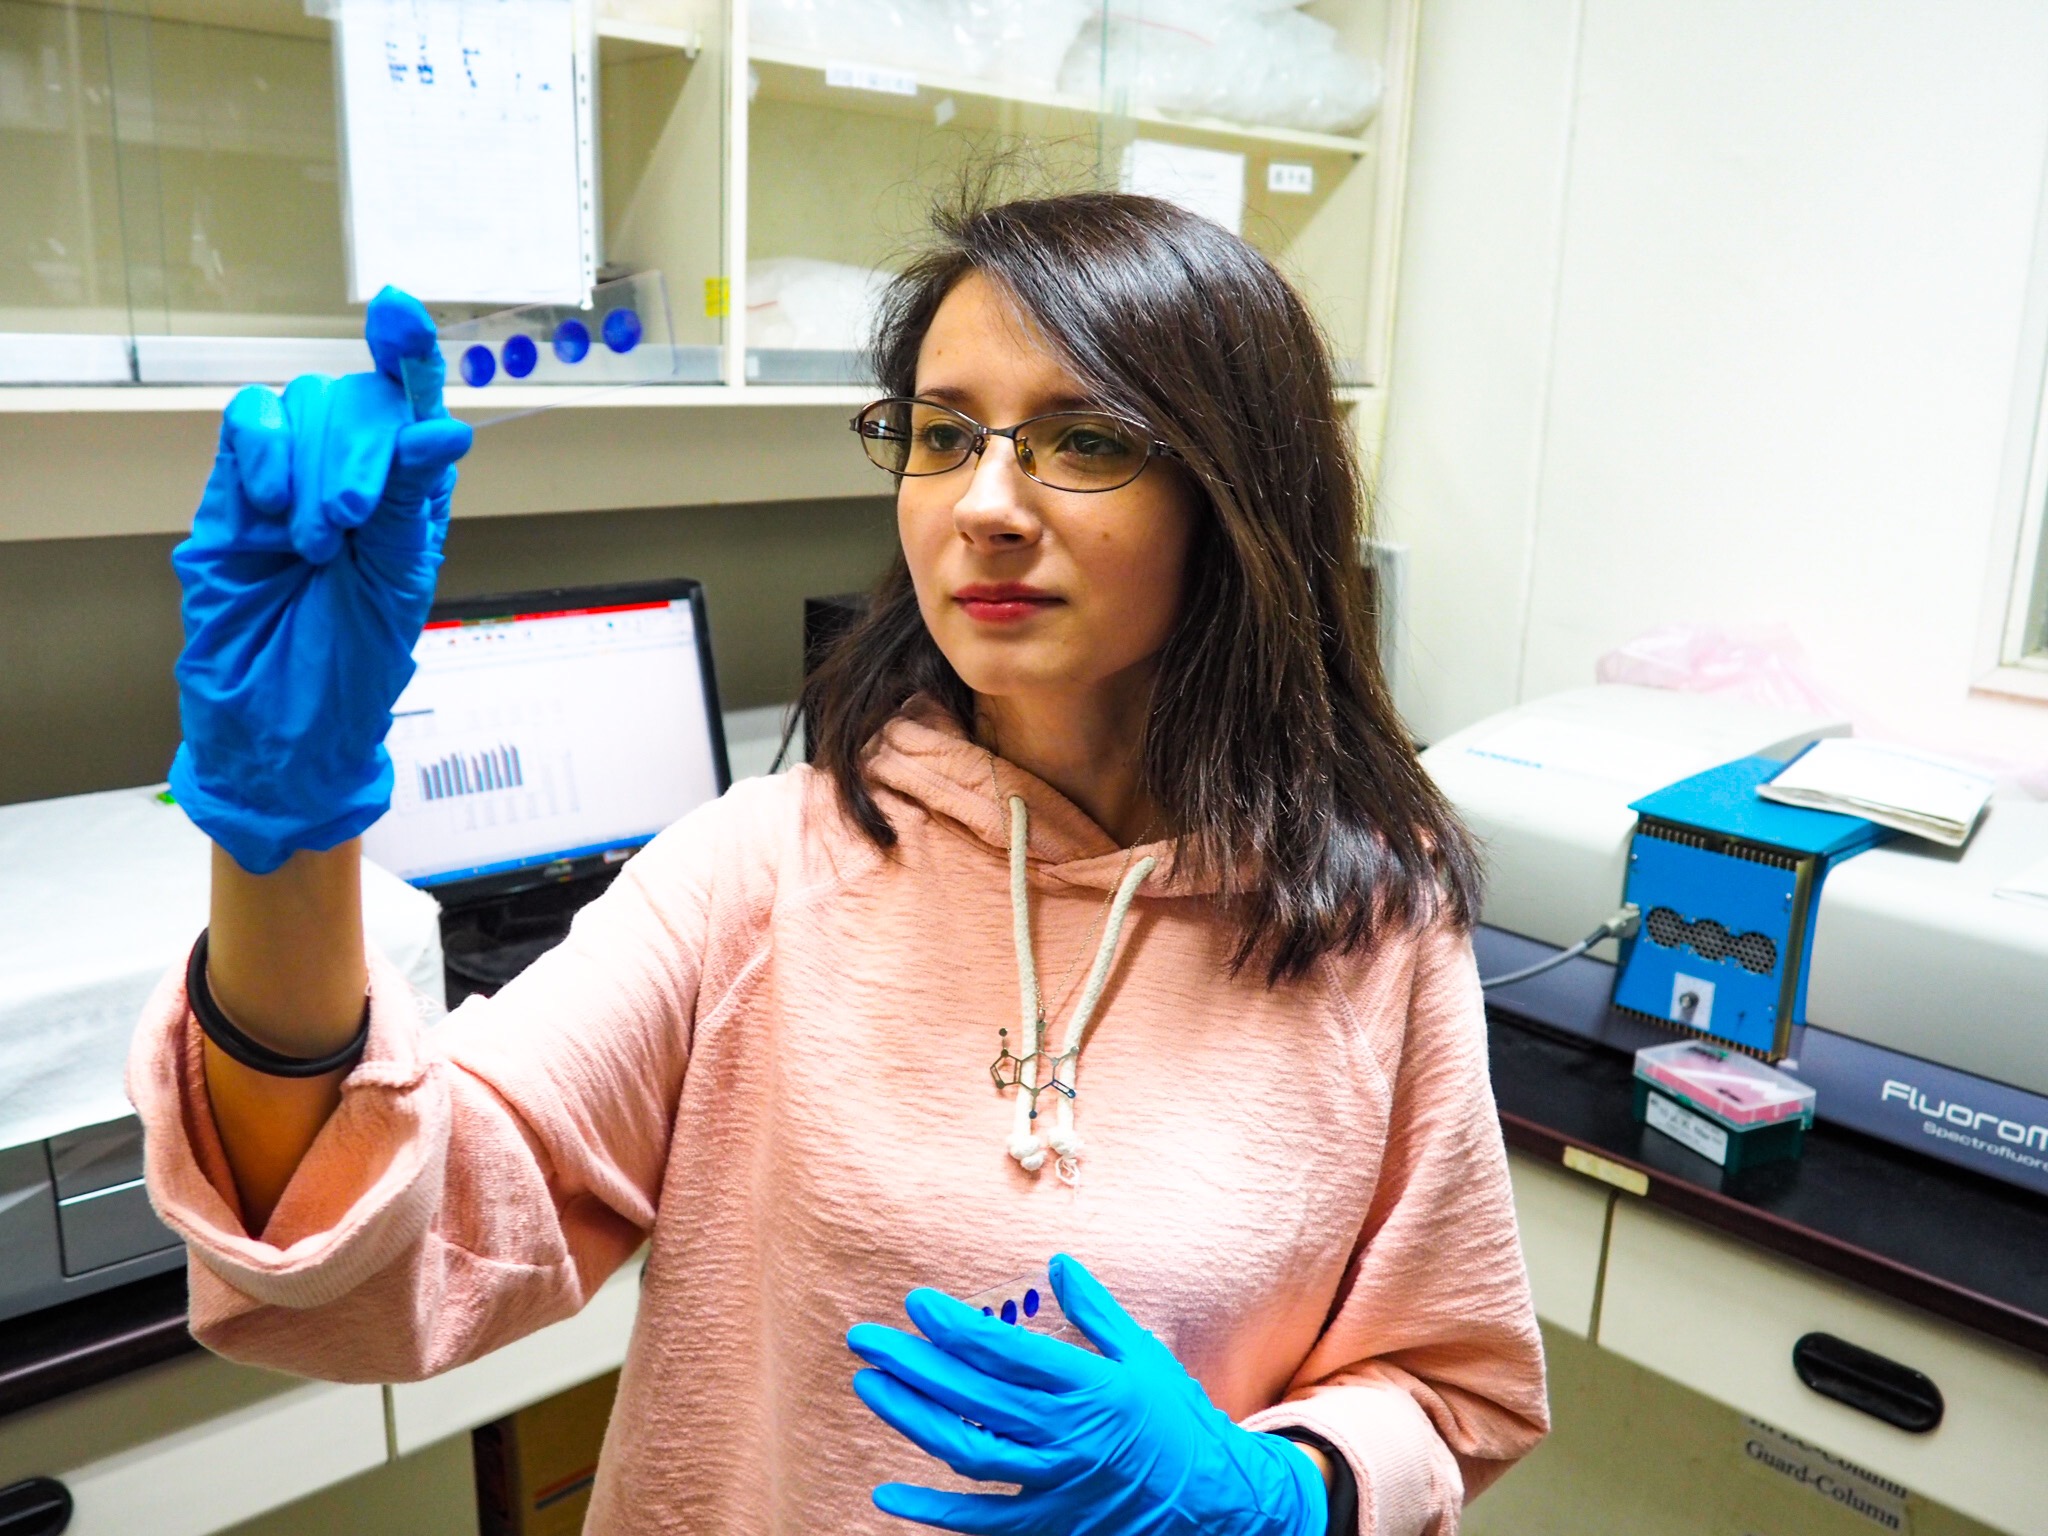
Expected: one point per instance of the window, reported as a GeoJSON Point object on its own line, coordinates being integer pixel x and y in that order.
{"type": "Point", "coordinates": [2026, 628]}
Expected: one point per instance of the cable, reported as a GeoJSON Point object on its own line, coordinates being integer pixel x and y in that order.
{"type": "Point", "coordinates": [1622, 925]}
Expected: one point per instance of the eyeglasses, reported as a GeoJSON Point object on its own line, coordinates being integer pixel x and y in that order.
{"type": "Point", "coordinates": [1066, 450]}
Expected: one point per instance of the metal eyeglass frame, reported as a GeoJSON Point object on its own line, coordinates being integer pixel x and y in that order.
{"type": "Point", "coordinates": [1154, 447]}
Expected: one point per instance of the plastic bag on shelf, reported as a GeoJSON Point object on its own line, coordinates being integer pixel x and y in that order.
{"type": "Point", "coordinates": [1247, 61]}
{"type": "Point", "coordinates": [820, 306]}
{"type": "Point", "coordinates": [912, 35]}
{"type": "Point", "coordinates": [1763, 666]}
{"type": "Point", "coordinates": [1019, 43]}
{"type": "Point", "coordinates": [1022, 43]}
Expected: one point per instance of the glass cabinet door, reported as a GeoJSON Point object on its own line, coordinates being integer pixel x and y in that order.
{"type": "Point", "coordinates": [862, 113]}
{"type": "Point", "coordinates": [175, 179]}
{"type": "Point", "coordinates": [661, 130]}
{"type": "Point", "coordinates": [63, 283]}
{"type": "Point", "coordinates": [1268, 118]}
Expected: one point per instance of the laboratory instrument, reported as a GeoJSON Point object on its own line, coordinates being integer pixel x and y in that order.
{"type": "Point", "coordinates": [1729, 885]}
{"type": "Point", "coordinates": [1922, 1022]}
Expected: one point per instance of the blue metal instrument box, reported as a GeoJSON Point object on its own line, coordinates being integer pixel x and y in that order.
{"type": "Point", "coordinates": [1729, 887]}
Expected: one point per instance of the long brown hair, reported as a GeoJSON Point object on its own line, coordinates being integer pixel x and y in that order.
{"type": "Point", "coordinates": [1272, 742]}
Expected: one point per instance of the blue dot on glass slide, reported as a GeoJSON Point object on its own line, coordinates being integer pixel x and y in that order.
{"type": "Point", "coordinates": [520, 355]}
{"type": "Point", "coordinates": [622, 330]}
{"type": "Point", "coordinates": [988, 1311]}
{"type": "Point", "coordinates": [1009, 1311]}
{"type": "Point", "coordinates": [572, 341]}
{"type": "Point", "coordinates": [1031, 1302]}
{"type": "Point", "coordinates": [478, 366]}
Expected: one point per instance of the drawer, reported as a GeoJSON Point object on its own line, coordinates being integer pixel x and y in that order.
{"type": "Point", "coordinates": [194, 1446]}
{"type": "Point", "coordinates": [560, 1356]}
{"type": "Point", "coordinates": [1721, 1317]}
{"type": "Point", "coordinates": [1563, 1218]}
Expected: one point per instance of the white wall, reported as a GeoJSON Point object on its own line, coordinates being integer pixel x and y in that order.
{"type": "Point", "coordinates": [1713, 310]}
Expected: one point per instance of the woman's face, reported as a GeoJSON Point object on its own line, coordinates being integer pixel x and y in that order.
{"type": "Point", "coordinates": [1029, 590]}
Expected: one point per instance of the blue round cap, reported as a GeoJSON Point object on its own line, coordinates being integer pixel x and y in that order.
{"type": "Point", "coordinates": [520, 356]}
{"type": "Point", "coordinates": [622, 330]}
{"type": "Point", "coordinates": [478, 366]}
{"type": "Point", "coordinates": [572, 341]}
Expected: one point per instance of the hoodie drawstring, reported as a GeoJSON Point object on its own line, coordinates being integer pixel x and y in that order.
{"type": "Point", "coordinates": [1027, 1146]}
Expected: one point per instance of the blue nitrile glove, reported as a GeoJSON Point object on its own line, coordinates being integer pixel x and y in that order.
{"type": "Point", "coordinates": [307, 578]}
{"type": "Point", "coordinates": [1124, 1443]}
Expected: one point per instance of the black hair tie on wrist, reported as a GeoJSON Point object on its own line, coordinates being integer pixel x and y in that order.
{"type": "Point", "coordinates": [253, 1054]}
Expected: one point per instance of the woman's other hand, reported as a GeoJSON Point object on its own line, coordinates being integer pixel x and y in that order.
{"type": "Point", "coordinates": [1124, 1443]}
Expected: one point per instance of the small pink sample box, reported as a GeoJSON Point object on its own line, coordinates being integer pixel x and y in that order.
{"type": "Point", "coordinates": [1728, 1107]}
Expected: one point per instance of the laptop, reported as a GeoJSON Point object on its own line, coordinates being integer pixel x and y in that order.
{"type": "Point", "coordinates": [545, 738]}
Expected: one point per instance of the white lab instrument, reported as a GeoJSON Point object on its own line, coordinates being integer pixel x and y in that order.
{"type": "Point", "coordinates": [1927, 1001]}
{"type": "Point", "coordinates": [103, 895]}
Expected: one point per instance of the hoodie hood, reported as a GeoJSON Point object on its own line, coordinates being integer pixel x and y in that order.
{"type": "Point", "coordinates": [924, 757]}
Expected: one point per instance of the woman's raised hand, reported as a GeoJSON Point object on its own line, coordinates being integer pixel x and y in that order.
{"type": "Point", "coordinates": [1124, 1443]}
{"type": "Point", "coordinates": [307, 578]}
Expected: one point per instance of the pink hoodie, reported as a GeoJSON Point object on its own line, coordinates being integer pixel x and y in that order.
{"type": "Point", "coordinates": [766, 1051]}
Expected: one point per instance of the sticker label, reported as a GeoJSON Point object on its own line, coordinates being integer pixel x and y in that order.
{"type": "Point", "coordinates": [1290, 176]}
{"type": "Point", "coordinates": [871, 77]}
{"type": "Point", "coordinates": [1692, 1001]}
{"type": "Point", "coordinates": [1878, 1500]}
{"type": "Point", "coordinates": [1687, 1128]}
{"type": "Point", "coordinates": [1594, 1166]}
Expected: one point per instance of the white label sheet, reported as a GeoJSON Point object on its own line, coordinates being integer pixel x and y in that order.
{"type": "Point", "coordinates": [1209, 182]}
{"type": "Point", "coordinates": [465, 134]}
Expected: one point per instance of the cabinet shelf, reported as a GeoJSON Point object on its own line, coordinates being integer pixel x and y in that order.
{"type": "Point", "coordinates": [621, 41]}
{"type": "Point", "coordinates": [786, 75]}
{"type": "Point", "coordinates": [473, 404]}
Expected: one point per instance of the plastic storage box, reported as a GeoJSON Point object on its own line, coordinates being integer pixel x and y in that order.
{"type": "Point", "coordinates": [1730, 1108]}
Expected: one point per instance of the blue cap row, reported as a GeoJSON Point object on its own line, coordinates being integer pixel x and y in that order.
{"type": "Point", "coordinates": [621, 330]}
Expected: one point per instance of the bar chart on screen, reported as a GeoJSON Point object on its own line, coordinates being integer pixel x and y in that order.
{"type": "Point", "coordinates": [543, 736]}
{"type": "Point", "coordinates": [471, 774]}
{"type": "Point", "coordinates": [488, 765]}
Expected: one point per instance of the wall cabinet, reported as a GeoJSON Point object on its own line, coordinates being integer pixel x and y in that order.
{"type": "Point", "coordinates": [173, 225]}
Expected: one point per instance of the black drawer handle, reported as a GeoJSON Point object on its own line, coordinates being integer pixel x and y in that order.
{"type": "Point", "coordinates": [1853, 1375]}
{"type": "Point", "coordinates": [39, 1507]}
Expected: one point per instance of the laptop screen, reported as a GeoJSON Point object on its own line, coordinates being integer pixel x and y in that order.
{"type": "Point", "coordinates": [548, 733]}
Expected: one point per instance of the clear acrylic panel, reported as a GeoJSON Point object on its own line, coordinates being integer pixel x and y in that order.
{"type": "Point", "coordinates": [1266, 119]}
{"type": "Point", "coordinates": [862, 114]}
{"type": "Point", "coordinates": [182, 165]}
{"type": "Point", "coordinates": [231, 189]}
{"type": "Point", "coordinates": [861, 111]}
{"type": "Point", "coordinates": [63, 284]}
{"type": "Point", "coordinates": [662, 113]}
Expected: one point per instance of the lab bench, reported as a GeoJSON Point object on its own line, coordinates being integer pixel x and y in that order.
{"type": "Point", "coordinates": [1632, 1243]}
{"type": "Point", "coordinates": [1654, 1254]}
{"type": "Point", "coordinates": [193, 1444]}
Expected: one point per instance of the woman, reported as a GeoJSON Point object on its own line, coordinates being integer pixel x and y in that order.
{"type": "Point", "coordinates": [1107, 778]}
